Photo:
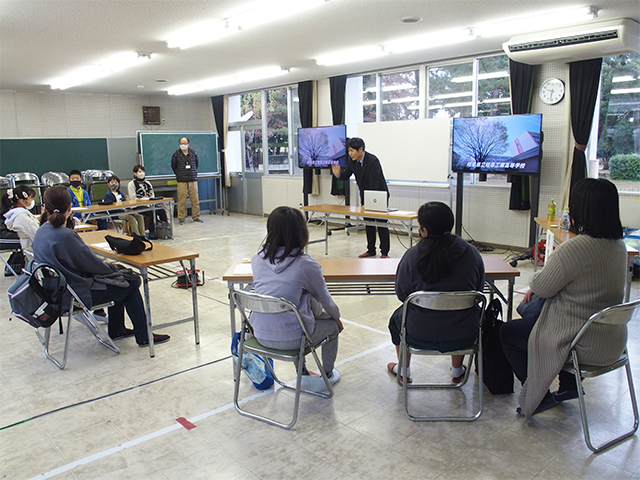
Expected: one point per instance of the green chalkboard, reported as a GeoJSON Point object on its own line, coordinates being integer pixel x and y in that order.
{"type": "Point", "coordinates": [157, 148]}
{"type": "Point", "coordinates": [41, 155]}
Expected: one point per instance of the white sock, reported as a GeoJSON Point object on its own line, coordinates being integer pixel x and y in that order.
{"type": "Point", "coordinates": [395, 370]}
{"type": "Point", "coordinates": [456, 372]}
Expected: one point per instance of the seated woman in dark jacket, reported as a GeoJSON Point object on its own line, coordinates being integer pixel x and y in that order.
{"type": "Point", "coordinates": [440, 262]}
{"type": "Point", "coordinates": [64, 249]}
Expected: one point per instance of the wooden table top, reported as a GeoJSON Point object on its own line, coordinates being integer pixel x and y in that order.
{"type": "Point", "coordinates": [85, 227]}
{"type": "Point", "coordinates": [96, 207]}
{"type": "Point", "coordinates": [375, 269]}
{"type": "Point", "coordinates": [159, 255]}
{"type": "Point", "coordinates": [561, 236]}
{"type": "Point", "coordinates": [361, 212]}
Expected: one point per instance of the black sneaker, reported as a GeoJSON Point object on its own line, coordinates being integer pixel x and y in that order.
{"type": "Point", "coordinates": [127, 332]}
{"type": "Point", "coordinates": [157, 340]}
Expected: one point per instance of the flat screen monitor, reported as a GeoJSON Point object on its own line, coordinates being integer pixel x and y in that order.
{"type": "Point", "coordinates": [321, 147]}
{"type": "Point", "coordinates": [506, 144]}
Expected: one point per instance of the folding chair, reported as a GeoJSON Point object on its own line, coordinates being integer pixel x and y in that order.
{"type": "Point", "coordinates": [448, 301]}
{"type": "Point", "coordinates": [247, 301]}
{"type": "Point", "coordinates": [76, 309]}
{"type": "Point", "coordinates": [615, 315]}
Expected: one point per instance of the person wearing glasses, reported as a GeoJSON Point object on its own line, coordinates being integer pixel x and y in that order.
{"type": "Point", "coordinates": [184, 164]}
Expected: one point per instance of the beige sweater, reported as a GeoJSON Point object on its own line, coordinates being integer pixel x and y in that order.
{"type": "Point", "coordinates": [583, 276]}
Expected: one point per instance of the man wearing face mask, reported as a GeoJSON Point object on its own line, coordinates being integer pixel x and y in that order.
{"type": "Point", "coordinates": [16, 203]}
{"type": "Point", "coordinates": [80, 198]}
{"type": "Point", "coordinates": [184, 164]}
{"type": "Point", "coordinates": [140, 188]}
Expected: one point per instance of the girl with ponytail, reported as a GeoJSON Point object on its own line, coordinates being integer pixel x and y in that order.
{"type": "Point", "coordinates": [440, 262]}
{"type": "Point", "coordinates": [66, 251]}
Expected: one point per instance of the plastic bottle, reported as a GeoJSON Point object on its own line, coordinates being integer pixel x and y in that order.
{"type": "Point", "coordinates": [565, 224]}
{"type": "Point", "coordinates": [551, 211]}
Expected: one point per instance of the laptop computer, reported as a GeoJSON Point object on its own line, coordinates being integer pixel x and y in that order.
{"type": "Point", "coordinates": [375, 200]}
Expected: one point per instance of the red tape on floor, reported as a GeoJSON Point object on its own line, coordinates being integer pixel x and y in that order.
{"type": "Point", "coordinates": [185, 423]}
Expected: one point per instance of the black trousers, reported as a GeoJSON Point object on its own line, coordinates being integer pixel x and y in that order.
{"type": "Point", "coordinates": [514, 337]}
{"type": "Point", "coordinates": [383, 233]}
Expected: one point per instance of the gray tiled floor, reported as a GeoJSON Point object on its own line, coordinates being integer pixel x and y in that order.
{"type": "Point", "coordinates": [112, 430]}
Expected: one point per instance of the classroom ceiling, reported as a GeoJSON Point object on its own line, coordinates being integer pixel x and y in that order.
{"type": "Point", "coordinates": [44, 39]}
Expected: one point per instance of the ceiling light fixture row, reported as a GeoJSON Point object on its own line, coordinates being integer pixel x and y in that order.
{"type": "Point", "coordinates": [107, 67]}
{"type": "Point", "coordinates": [246, 76]}
{"type": "Point", "coordinates": [555, 18]}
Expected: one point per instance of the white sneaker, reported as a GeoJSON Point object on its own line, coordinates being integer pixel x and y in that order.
{"type": "Point", "coordinates": [335, 377]}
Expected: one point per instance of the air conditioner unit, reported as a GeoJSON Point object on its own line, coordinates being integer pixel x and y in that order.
{"type": "Point", "coordinates": [569, 44]}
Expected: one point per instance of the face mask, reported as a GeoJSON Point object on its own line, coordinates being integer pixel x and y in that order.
{"type": "Point", "coordinates": [184, 148]}
{"type": "Point", "coordinates": [75, 183]}
{"type": "Point", "coordinates": [31, 204]}
{"type": "Point", "coordinates": [113, 186]}
{"type": "Point", "coordinates": [140, 176]}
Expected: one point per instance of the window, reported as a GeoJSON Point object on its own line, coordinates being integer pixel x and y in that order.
{"type": "Point", "coordinates": [278, 131]}
{"type": "Point", "coordinates": [451, 91]}
{"type": "Point", "coordinates": [400, 100]}
{"type": "Point", "coordinates": [619, 125]}
{"type": "Point", "coordinates": [252, 112]}
{"type": "Point", "coordinates": [494, 96]}
{"type": "Point", "coordinates": [369, 98]}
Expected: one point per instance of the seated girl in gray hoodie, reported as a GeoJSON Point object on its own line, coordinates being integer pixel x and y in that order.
{"type": "Point", "coordinates": [282, 269]}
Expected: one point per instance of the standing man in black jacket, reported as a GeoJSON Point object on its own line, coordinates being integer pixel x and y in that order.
{"type": "Point", "coordinates": [369, 176]}
{"type": "Point", "coordinates": [184, 164]}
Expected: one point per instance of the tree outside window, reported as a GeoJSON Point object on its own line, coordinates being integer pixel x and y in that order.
{"type": "Point", "coordinates": [400, 100]}
{"type": "Point", "coordinates": [451, 91]}
{"type": "Point", "coordinates": [619, 126]}
{"type": "Point", "coordinates": [278, 131]}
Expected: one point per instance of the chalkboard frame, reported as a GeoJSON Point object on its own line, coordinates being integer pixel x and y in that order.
{"type": "Point", "coordinates": [200, 142]}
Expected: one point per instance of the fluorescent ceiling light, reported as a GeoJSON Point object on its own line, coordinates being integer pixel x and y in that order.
{"type": "Point", "coordinates": [261, 73]}
{"type": "Point", "coordinates": [223, 81]}
{"type": "Point", "coordinates": [621, 91]}
{"type": "Point", "coordinates": [266, 12]}
{"type": "Point", "coordinates": [200, 33]}
{"type": "Point", "coordinates": [352, 55]}
{"type": "Point", "coordinates": [184, 89]}
{"type": "Point", "coordinates": [481, 76]}
{"type": "Point", "coordinates": [624, 78]}
{"type": "Point", "coordinates": [550, 19]}
{"type": "Point", "coordinates": [107, 67]}
{"type": "Point", "coordinates": [430, 40]}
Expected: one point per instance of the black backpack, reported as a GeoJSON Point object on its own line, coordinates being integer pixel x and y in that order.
{"type": "Point", "coordinates": [36, 296]}
{"type": "Point", "coordinates": [497, 371]}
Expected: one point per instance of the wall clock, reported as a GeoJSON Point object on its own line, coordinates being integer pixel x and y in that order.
{"type": "Point", "coordinates": [551, 91]}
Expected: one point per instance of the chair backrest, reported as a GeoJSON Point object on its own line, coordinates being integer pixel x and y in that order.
{"type": "Point", "coordinates": [620, 314]}
{"type": "Point", "coordinates": [97, 190]}
{"type": "Point", "coordinates": [264, 304]}
{"type": "Point", "coordinates": [446, 300]}
{"type": "Point", "coordinates": [23, 178]}
{"type": "Point", "coordinates": [54, 178]}
{"type": "Point", "coordinates": [91, 176]}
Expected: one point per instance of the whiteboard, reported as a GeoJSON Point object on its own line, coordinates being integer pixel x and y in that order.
{"type": "Point", "coordinates": [410, 150]}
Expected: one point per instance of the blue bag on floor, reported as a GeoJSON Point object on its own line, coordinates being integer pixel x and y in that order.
{"type": "Point", "coordinates": [254, 366]}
